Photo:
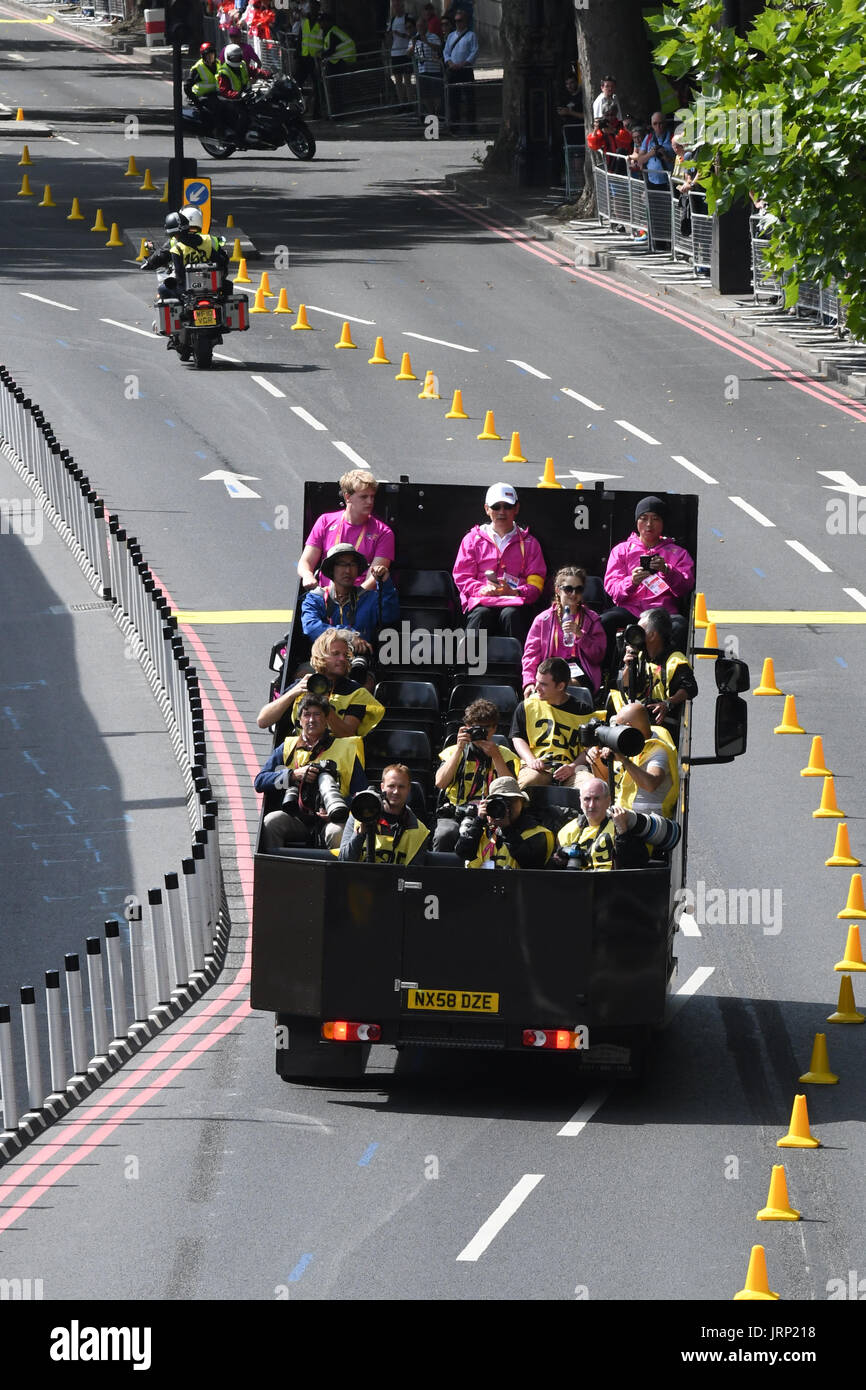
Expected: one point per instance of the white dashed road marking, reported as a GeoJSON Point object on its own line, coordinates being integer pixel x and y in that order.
{"type": "Point", "coordinates": [751, 511]}
{"type": "Point", "coordinates": [576, 396]}
{"type": "Point", "coordinates": [633, 429]}
{"type": "Point", "coordinates": [305, 415]}
{"type": "Point", "coordinates": [440, 341]}
{"type": "Point", "coordinates": [54, 302]}
{"type": "Point", "coordinates": [693, 468]}
{"type": "Point", "coordinates": [333, 314]}
{"type": "Point", "coordinates": [268, 386]}
{"type": "Point", "coordinates": [810, 556]}
{"type": "Point", "coordinates": [506, 1209]}
{"type": "Point", "coordinates": [533, 371]}
{"type": "Point", "coordinates": [581, 1118]}
{"type": "Point", "coordinates": [350, 453]}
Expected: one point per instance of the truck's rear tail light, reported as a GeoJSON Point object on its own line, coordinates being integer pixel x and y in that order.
{"type": "Point", "coordinates": [560, 1039]}
{"type": "Point", "coordinates": [341, 1031]}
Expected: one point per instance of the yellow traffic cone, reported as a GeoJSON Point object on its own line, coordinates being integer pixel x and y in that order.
{"type": "Point", "coordinates": [25, 191]}
{"type": "Point", "coordinates": [799, 1135]}
{"type": "Point", "coordinates": [76, 215]}
{"type": "Point", "coordinates": [142, 253]}
{"type": "Point", "coordinates": [549, 479]}
{"type": "Point", "coordinates": [405, 373]}
{"type": "Point", "coordinates": [701, 619]}
{"type": "Point", "coordinates": [768, 684]}
{"type": "Point", "coordinates": [99, 224]}
{"type": "Point", "coordinates": [164, 198]}
{"type": "Point", "coordinates": [237, 254]}
{"type": "Point", "coordinates": [778, 1206]}
{"type": "Point", "coordinates": [853, 957]}
{"type": "Point", "coordinates": [428, 391]}
{"type": "Point", "coordinates": [283, 304]}
{"type": "Point", "coordinates": [148, 186]}
{"type": "Point", "coordinates": [515, 451]}
{"type": "Point", "coordinates": [855, 907]}
{"type": "Point", "coordinates": [456, 412]}
{"type": "Point", "coordinates": [345, 337]}
{"type": "Point", "coordinates": [230, 219]}
{"type": "Point", "coordinates": [301, 321]}
{"type": "Point", "coordinates": [816, 766]}
{"type": "Point", "coordinates": [265, 285]}
{"type": "Point", "coordinates": [25, 156]}
{"type": "Point", "coordinates": [710, 640]}
{"type": "Point", "coordinates": [757, 1285]}
{"type": "Point", "coordinates": [115, 239]}
{"type": "Point", "coordinates": [47, 200]}
{"type": "Point", "coordinates": [242, 278]}
{"type": "Point", "coordinates": [819, 1073]}
{"type": "Point", "coordinates": [379, 359]}
{"type": "Point", "coordinates": [489, 431]}
{"type": "Point", "coordinates": [828, 809]}
{"type": "Point", "coordinates": [845, 1009]}
{"type": "Point", "coordinates": [790, 723]}
{"type": "Point", "coordinates": [578, 487]}
{"type": "Point", "coordinates": [842, 858]}
{"type": "Point", "coordinates": [132, 169]}
{"type": "Point", "coordinates": [20, 115]}
{"type": "Point", "coordinates": [260, 307]}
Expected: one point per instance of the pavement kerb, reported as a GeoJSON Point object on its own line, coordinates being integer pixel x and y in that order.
{"type": "Point", "coordinates": [626, 266]}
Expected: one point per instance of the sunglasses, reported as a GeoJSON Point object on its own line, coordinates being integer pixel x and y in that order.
{"type": "Point", "coordinates": [570, 589]}
{"type": "Point", "coordinates": [502, 506]}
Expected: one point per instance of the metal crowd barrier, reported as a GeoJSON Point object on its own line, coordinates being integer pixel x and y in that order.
{"type": "Point", "coordinates": [574, 156]}
{"type": "Point", "coordinates": [823, 304]}
{"type": "Point", "coordinates": [365, 86]}
{"type": "Point", "coordinates": [158, 961]}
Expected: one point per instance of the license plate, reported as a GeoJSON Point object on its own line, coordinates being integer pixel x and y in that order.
{"type": "Point", "coordinates": [453, 1001]}
{"type": "Point", "coordinates": [204, 318]}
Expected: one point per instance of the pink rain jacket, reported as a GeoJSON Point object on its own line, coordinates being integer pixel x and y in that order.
{"type": "Point", "coordinates": [636, 597]}
{"type": "Point", "coordinates": [545, 639]}
{"type": "Point", "coordinates": [521, 557]}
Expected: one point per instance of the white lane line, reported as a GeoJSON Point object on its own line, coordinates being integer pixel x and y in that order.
{"type": "Point", "coordinates": [440, 341]}
{"type": "Point", "coordinates": [581, 1118]}
{"type": "Point", "coordinates": [333, 314]}
{"type": "Point", "coordinates": [268, 386]}
{"type": "Point", "coordinates": [751, 511]}
{"type": "Point", "coordinates": [350, 453]}
{"type": "Point", "coordinates": [54, 302]}
{"type": "Point", "coordinates": [857, 596]}
{"type": "Point", "coordinates": [696, 980]}
{"type": "Point", "coordinates": [305, 415]}
{"type": "Point", "coordinates": [224, 357]}
{"type": "Point", "coordinates": [693, 468]}
{"type": "Point", "coordinates": [506, 1209]}
{"type": "Point", "coordinates": [810, 556]}
{"type": "Point", "coordinates": [576, 396]}
{"type": "Point", "coordinates": [130, 328]}
{"type": "Point", "coordinates": [533, 371]}
{"type": "Point", "coordinates": [688, 925]}
{"type": "Point", "coordinates": [633, 429]}
{"type": "Point", "coordinates": [66, 140]}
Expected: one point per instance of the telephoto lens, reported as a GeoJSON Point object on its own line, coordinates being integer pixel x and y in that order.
{"type": "Point", "coordinates": [333, 802]}
{"type": "Point", "coordinates": [359, 669]}
{"type": "Point", "coordinates": [497, 808]}
{"type": "Point", "coordinates": [366, 806]}
{"type": "Point", "coordinates": [291, 798]}
{"type": "Point", "coordinates": [635, 637]}
{"type": "Point", "coordinates": [619, 738]}
{"type": "Point", "coordinates": [471, 828]}
{"type": "Point", "coordinates": [318, 684]}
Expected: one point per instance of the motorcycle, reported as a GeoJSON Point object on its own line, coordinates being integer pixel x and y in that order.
{"type": "Point", "coordinates": [276, 108]}
{"type": "Point", "coordinates": [195, 319]}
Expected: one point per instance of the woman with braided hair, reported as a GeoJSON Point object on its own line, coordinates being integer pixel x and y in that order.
{"type": "Point", "coordinates": [568, 629]}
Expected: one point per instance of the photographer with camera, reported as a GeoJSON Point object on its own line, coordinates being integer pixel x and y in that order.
{"type": "Point", "coordinates": [381, 828]}
{"type": "Point", "coordinates": [342, 603]}
{"type": "Point", "coordinates": [649, 781]}
{"type": "Point", "coordinates": [653, 671]}
{"type": "Point", "coordinates": [352, 710]}
{"type": "Point", "coordinates": [467, 769]}
{"type": "Point", "coordinates": [317, 773]}
{"type": "Point", "coordinates": [656, 153]}
{"type": "Point", "coordinates": [545, 730]}
{"type": "Point", "coordinates": [607, 836]}
{"type": "Point", "coordinates": [648, 570]}
{"type": "Point", "coordinates": [501, 833]}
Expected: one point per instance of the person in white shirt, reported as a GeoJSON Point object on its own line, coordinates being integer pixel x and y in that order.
{"type": "Point", "coordinates": [400, 52]}
{"type": "Point", "coordinates": [460, 53]}
{"type": "Point", "coordinates": [607, 101]}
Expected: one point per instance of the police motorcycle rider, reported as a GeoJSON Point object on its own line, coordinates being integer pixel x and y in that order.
{"type": "Point", "coordinates": [201, 84]}
{"type": "Point", "coordinates": [234, 86]}
{"type": "Point", "coordinates": [186, 244]}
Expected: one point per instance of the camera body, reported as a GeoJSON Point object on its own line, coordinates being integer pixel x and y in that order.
{"type": "Point", "coordinates": [497, 807]}
{"type": "Point", "coordinates": [478, 734]}
{"type": "Point", "coordinates": [619, 738]}
{"type": "Point", "coordinates": [328, 792]}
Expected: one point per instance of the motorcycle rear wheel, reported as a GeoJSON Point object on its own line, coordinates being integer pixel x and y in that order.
{"type": "Point", "coordinates": [217, 149]}
{"type": "Point", "coordinates": [301, 141]}
{"type": "Point", "coordinates": [202, 349]}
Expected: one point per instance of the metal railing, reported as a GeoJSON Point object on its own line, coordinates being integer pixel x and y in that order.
{"type": "Point", "coordinates": [163, 957]}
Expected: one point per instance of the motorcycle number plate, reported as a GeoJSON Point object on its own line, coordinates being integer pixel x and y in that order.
{"type": "Point", "coordinates": [204, 318]}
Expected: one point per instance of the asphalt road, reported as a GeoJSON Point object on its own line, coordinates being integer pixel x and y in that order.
{"type": "Point", "coordinates": [243, 1187]}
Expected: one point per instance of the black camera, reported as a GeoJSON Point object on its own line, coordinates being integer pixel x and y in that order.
{"type": "Point", "coordinates": [318, 685]}
{"type": "Point", "coordinates": [359, 669]}
{"type": "Point", "coordinates": [478, 734]}
{"type": "Point", "coordinates": [497, 808]}
{"type": "Point", "coordinates": [471, 830]}
{"type": "Point", "coordinates": [619, 738]}
{"type": "Point", "coordinates": [367, 806]}
{"type": "Point", "coordinates": [635, 637]}
{"type": "Point", "coordinates": [328, 786]}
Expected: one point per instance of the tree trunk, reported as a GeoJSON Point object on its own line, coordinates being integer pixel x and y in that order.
{"type": "Point", "coordinates": [534, 34]}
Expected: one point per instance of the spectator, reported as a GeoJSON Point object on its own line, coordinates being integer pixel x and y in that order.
{"type": "Point", "coordinates": [570, 106]}
{"type": "Point", "coordinates": [614, 140]}
{"type": "Point", "coordinates": [251, 57]}
{"type": "Point", "coordinates": [460, 53]}
{"type": "Point", "coordinates": [648, 570]}
{"type": "Point", "coordinates": [545, 730]}
{"type": "Point", "coordinates": [656, 153]}
{"type": "Point", "coordinates": [341, 603]}
{"type": "Point", "coordinates": [339, 55]}
{"type": "Point", "coordinates": [500, 570]}
{"type": "Point", "coordinates": [397, 33]}
{"type": "Point", "coordinates": [312, 42]}
{"type": "Point", "coordinates": [355, 524]}
{"type": "Point", "coordinates": [568, 629]}
{"type": "Point", "coordinates": [351, 709]}
{"type": "Point", "coordinates": [434, 23]}
{"type": "Point", "coordinates": [427, 51]}
{"type": "Point", "coordinates": [650, 781]}
{"type": "Point", "coordinates": [295, 767]}
{"type": "Point", "coordinates": [399, 835]}
{"type": "Point", "coordinates": [607, 102]}
{"type": "Point", "coordinates": [504, 834]}
{"type": "Point", "coordinates": [663, 679]}
{"type": "Point", "coordinates": [467, 769]}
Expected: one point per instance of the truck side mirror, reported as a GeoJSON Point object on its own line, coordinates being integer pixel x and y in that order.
{"type": "Point", "coordinates": [732, 676]}
{"type": "Point", "coordinates": [732, 719]}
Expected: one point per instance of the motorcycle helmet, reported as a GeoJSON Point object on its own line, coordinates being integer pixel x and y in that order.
{"type": "Point", "coordinates": [233, 55]}
{"type": "Point", "coordinates": [176, 222]}
{"type": "Point", "coordinates": [205, 49]}
{"type": "Point", "coordinates": [193, 217]}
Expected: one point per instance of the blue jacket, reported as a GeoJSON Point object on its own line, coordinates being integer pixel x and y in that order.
{"type": "Point", "coordinates": [319, 611]}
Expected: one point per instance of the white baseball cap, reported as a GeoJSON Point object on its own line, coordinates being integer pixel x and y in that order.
{"type": "Point", "coordinates": [500, 492]}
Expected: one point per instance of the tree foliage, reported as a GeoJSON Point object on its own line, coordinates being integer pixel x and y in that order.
{"type": "Point", "coordinates": [783, 119]}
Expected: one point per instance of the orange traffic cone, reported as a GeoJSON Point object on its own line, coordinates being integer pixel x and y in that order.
{"type": "Point", "coordinates": [148, 185]}
{"type": "Point", "coordinates": [99, 224]}
{"type": "Point", "coordinates": [789, 724]}
{"type": "Point", "coordinates": [142, 252]}
{"type": "Point", "coordinates": [265, 285]}
{"type": "Point", "coordinates": [164, 198]}
{"type": "Point", "coordinates": [489, 430]}
{"type": "Point", "coordinates": [260, 307]}
{"type": "Point", "coordinates": [428, 392]}
{"type": "Point", "coordinates": [47, 200]}
{"type": "Point", "coordinates": [115, 239]}
{"type": "Point", "coordinates": [768, 680]}
{"type": "Point", "coordinates": [757, 1285]}
{"type": "Point", "coordinates": [549, 479]}
{"type": "Point", "coordinates": [76, 215]}
{"type": "Point", "coordinates": [778, 1206]}
{"type": "Point", "coordinates": [405, 373]}
{"type": "Point", "coordinates": [701, 619]}
{"type": "Point", "coordinates": [828, 809]}
{"type": "Point", "coordinates": [301, 321]}
{"type": "Point", "coordinates": [842, 858]}
{"type": "Point", "coordinates": [710, 640]}
{"type": "Point", "coordinates": [855, 907]}
{"type": "Point", "coordinates": [345, 337]}
{"type": "Point", "coordinates": [25, 156]}
{"type": "Point", "coordinates": [819, 1073]}
{"type": "Point", "coordinates": [799, 1135]}
{"type": "Point", "coordinates": [132, 169]}
{"type": "Point", "coordinates": [242, 277]}
{"type": "Point", "coordinates": [456, 412]}
{"type": "Point", "coordinates": [230, 219]}
{"type": "Point", "coordinates": [816, 766]}
{"type": "Point", "coordinates": [853, 957]}
{"type": "Point", "coordinates": [515, 452]}
{"type": "Point", "coordinates": [379, 359]}
{"type": "Point", "coordinates": [237, 254]}
{"type": "Point", "coordinates": [846, 1011]}
{"type": "Point", "coordinates": [25, 191]}
{"type": "Point", "coordinates": [283, 304]}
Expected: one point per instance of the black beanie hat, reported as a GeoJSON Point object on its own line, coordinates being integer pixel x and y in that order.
{"type": "Point", "coordinates": [651, 504]}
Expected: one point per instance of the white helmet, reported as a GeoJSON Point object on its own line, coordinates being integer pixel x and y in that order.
{"type": "Point", "coordinates": [234, 55]}
{"type": "Point", "coordinates": [193, 217]}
